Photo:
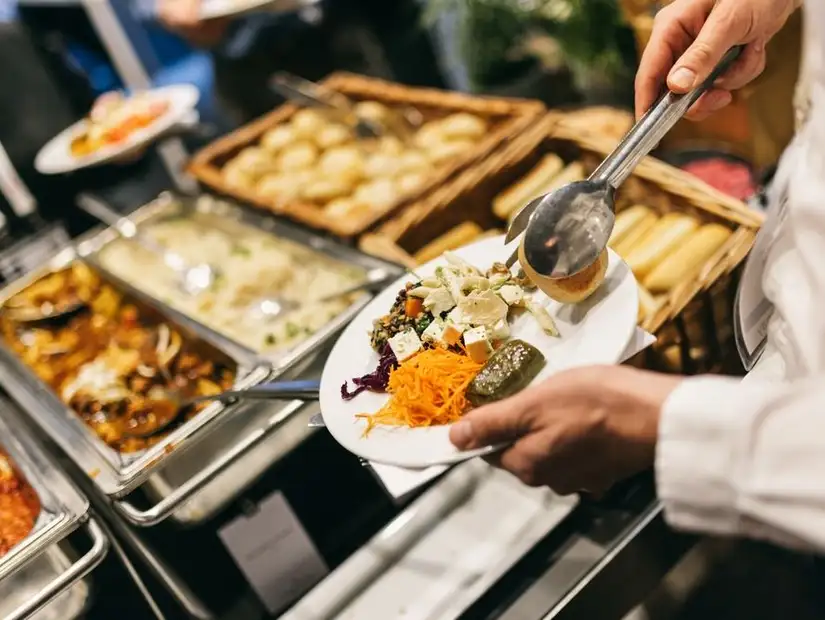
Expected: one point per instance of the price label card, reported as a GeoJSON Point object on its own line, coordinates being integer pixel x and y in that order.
{"type": "Point", "coordinates": [274, 552]}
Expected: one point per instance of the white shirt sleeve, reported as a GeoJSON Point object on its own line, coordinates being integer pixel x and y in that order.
{"type": "Point", "coordinates": [745, 459]}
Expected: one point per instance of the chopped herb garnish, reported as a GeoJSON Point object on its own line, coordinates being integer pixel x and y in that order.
{"type": "Point", "coordinates": [270, 339]}
{"type": "Point", "coordinates": [292, 330]}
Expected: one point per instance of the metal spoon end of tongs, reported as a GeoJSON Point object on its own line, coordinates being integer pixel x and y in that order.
{"type": "Point", "coordinates": [569, 229]}
{"type": "Point", "coordinates": [566, 231]}
{"type": "Point", "coordinates": [44, 313]}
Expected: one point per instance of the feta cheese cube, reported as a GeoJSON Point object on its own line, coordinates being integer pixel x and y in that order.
{"type": "Point", "coordinates": [512, 294]}
{"type": "Point", "coordinates": [434, 331]}
{"type": "Point", "coordinates": [477, 345]}
{"type": "Point", "coordinates": [405, 344]}
{"type": "Point", "coordinates": [452, 333]}
{"type": "Point", "coordinates": [455, 316]}
{"type": "Point", "coordinates": [500, 331]}
{"type": "Point", "coordinates": [438, 301]}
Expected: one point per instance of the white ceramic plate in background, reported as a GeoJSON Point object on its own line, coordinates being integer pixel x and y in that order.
{"type": "Point", "coordinates": [213, 9]}
{"type": "Point", "coordinates": [596, 331]}
{"type": "Point", "coordinates": [56, 156]}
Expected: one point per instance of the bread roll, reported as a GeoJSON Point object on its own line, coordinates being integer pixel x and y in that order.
{"type": "Point", "coordinates": [463, 125]}
{"type": "Point", "coordinates": [445, 151]}
{"type": "Point", "coordinates": [307, 123]}
{"type": "Point", "coordinates": [343, 161]}
{"type": "Point", "coordinates": [277, 139]}
{"type": "Point", "coordinates": [371, 110]}
{"type": "Point", "coordinates": [298, 156]}
{"type": "Point", "coordinates": [687, 258]}
{"type": "Point", "coordinates": [627, 220]}
{"type": "Point", "coordinates": [572, 290]}
{"type": "Point", "coordinates": [454, 238]}
{"type": "Point", "coordinates": [332, 135]}
{"type": "Point", "coordinates": [516, 196]}
{"type": "Point", "coordinates": [662, 239]}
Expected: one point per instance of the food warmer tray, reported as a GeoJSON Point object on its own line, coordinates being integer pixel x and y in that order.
{"type": "Point", "coordinates": [115, 473]}
{"type": "Point", "coordinates": [36, 565]}
{"type": "Point", "coordinates": [169, 205]}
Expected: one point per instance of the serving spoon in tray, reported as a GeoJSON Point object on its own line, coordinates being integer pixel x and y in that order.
{"type": "Point", "coordinates": [193, 279]}
{"type": "Point", "coordinates": [171, 404]}
{"type": "Point", "coordinates": [566, 230]}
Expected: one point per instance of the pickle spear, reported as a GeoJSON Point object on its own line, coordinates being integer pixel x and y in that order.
{"type": "Point", "coordinates": [509, 370]}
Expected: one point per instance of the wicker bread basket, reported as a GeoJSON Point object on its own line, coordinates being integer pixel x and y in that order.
{"type": "Point", "coordinates": [507, 119]}
{"type": "Point", "coordinates": [693, 321]}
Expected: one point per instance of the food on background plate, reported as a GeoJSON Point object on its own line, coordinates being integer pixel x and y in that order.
{"type": "Point", "coordinates": [19, 506]}
{"type": "Point", "coordinates": [255, 265]}
{"type": "Point", "coordinates": [111, 364]}
{"type": "Point", "coordinates": [440, 332]}
{"type": "Point", "coordinates": [114, 118]}
{"type": "Point", "coordinates": [573, 289]}
{"type": "Point", "coordinates": [511, 368]}
{"type": "Point", "coordinates": [334, 165]}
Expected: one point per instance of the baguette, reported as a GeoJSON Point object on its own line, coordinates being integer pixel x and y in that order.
{"type": "Point", "coordinates": [659, 242]}
{"type": "Point", "coordinates": [687, 258]}
{"type": "Point", "coordinates": [572, 173]}
{"type": "Point", "coordinates": [633, 236]}
{"type": "Point", "coordinates": [454, 238]}
{"type": "Point", "coordinates": [648, 304]}
{"type": "Point", "coordinates": [627, 220]}
{"type": "Point", "coordinates": [528, 187]}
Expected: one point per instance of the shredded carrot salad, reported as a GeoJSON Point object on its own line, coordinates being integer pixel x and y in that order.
{"type": "Point", "coordinates": [426, 390]}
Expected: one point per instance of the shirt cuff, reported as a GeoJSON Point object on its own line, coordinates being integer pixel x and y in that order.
{"type": "Point", "coordinates": [699, 452]}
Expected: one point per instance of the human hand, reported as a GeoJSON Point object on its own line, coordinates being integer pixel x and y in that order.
{"type": "Point", "coordinates": [689, 39]}
{"type": "Point", "coordinates": [580, 430]}
{"type": "Point", "coordinates": [183, 17]}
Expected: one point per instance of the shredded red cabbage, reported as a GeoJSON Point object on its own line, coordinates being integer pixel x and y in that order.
{"type": "Point", "coordinates": [377, 380]}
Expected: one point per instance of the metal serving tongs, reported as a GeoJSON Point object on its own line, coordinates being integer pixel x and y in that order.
{"type": "Point", "coordinates": [566, 230]}
{"type": "Point", "coordinates": [309, 93]}
{"type": "Point", "coordinates": [305, 390]}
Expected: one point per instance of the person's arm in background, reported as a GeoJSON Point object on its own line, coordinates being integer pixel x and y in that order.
{"type": "Point", "coordinates": [183, 18]}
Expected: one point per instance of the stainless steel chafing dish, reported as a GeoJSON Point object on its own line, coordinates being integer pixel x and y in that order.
{"type": "Point", "coordinates": [168, 206]}
{"type": "Point", "coordinates": [37, 575]}
{"type": "Point", "coordinates": [115, 473]}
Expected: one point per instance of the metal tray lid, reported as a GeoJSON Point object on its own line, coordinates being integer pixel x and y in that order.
{"type": "Point", "coordinates": [62, 506]}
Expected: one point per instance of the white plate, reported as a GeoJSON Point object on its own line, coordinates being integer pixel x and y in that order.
{"type": "Point", "coordinates": [594, 332]}
{"type": "Point", "coordinates": [212, 9]}
{"type": "Point", "coordinates": [56, 156]}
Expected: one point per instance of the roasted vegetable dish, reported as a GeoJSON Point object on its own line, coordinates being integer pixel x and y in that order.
{"type": "Point", "coordinates": [19, 506]}
{"type": "Point", "coordinates": [118, 369]}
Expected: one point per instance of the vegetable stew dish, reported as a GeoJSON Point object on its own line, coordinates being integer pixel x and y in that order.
{"type": "Point", "coordinates": [112, 364]}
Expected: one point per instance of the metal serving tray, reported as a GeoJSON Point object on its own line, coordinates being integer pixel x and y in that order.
{"type": "Point", "coordinates": [63, 510]}
{"type": "Point", "coordinates": [168, 205]}
{"type": "Point", "coordinates": [117, 474]}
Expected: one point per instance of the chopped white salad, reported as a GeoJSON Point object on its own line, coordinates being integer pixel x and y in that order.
{"type": "Point", "coordinates": [469, 307]}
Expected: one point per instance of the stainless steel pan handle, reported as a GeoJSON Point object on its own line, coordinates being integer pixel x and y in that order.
{"type": "Point", "coordinates": [170, 503]}
{"type": "Point", "coordinates": [74, 573]}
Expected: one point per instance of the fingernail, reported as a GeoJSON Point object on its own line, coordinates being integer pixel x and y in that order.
{"type": "Point", "coordinates": [461, 433]}
{"type": "Point", "coordinates": [682, 78]}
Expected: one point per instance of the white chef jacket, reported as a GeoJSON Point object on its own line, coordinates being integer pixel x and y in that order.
{"type": "Point", "coordinates": [747, 457]}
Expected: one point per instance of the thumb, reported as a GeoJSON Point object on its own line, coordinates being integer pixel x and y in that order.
{"type": "Point", "coordinates": [497, 423]}
{"type": "Point", "coordinates": [721, 31]}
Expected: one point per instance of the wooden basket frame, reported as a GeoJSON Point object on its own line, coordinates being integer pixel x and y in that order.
{"type": "Point", "coordinates": [514, 116]}
{"type": "Point", "coordinates": [399, 237]}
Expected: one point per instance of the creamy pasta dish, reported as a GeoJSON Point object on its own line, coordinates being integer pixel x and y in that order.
{"type": "Point", "coordinates": [253, 265]}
